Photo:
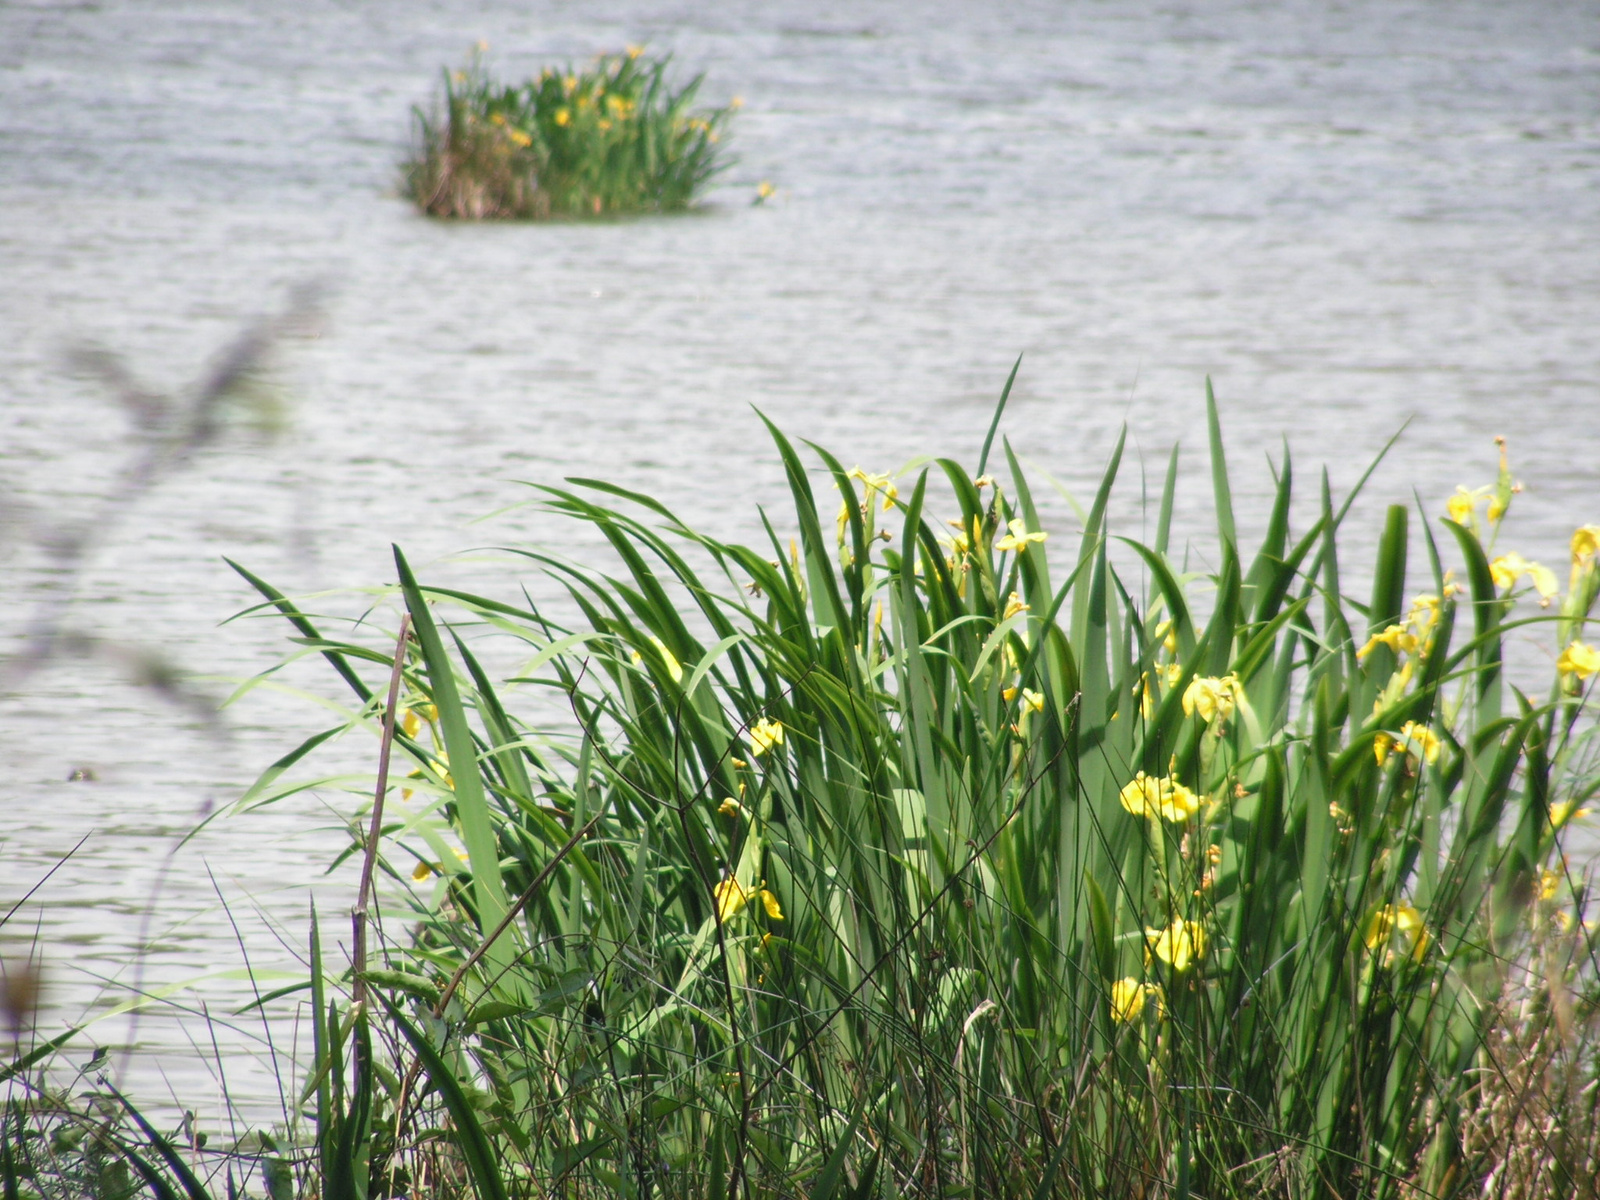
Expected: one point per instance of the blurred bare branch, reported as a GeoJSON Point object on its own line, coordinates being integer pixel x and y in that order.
{"type": "Point", "coordinates": [169, 430]}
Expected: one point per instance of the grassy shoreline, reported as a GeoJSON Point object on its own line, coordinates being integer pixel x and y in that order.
{"type": "Point", "coordinates": [919, 854]}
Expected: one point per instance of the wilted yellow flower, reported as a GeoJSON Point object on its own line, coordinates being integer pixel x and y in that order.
{"type": "Point", "coordinates": [730, 807]}
{"type": "Point", "coordinates": [1018, 537]}
{"type": "Point", "coordinates": [1579, 659]}
{"type": "Point", "coordinates": [1129, 998]}
{"type": "Point", "coordinates": [422, 870]}
{"type": "Point", "coordinates": [764, 735]}
{"type": "Point", "coordinates": [1212, 698]}
{"type": "Point", "coordinates": [1397, 927]}
{"type": "Point", "coordinates": [1179, 944]}
{"type": "Point", "coordinates": [1014, 605]}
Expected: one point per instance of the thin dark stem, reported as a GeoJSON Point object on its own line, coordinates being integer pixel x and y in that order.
{"type": "Point", "coordinates": [364, 894]}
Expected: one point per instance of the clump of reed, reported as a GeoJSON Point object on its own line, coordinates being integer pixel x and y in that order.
{"type": "Point", "coordinates": [614, 138]}
{"type": "Point", "coordinates": [898, 859]}
{"type": "Point", "coordinates": [910, 855]}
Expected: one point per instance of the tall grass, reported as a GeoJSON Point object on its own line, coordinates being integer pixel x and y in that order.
{"type": "Point", "coordinates": [614, 138]}
{"type": "Point", "coordinates": [894, 858]}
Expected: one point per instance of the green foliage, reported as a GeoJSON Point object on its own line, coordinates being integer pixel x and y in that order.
{"type": "Point", "coordinates": [613, 139]}
{"type": "Point", "coordinates": [921, 870]}
{"type": "Point", "coordinates": [887, 860]}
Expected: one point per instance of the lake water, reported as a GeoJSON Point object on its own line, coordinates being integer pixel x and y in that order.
{"type": "Point", "coordinates": [1350, 216]}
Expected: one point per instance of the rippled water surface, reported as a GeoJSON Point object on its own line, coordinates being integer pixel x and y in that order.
{"type": "Point", "coordinates": [1349, 216]}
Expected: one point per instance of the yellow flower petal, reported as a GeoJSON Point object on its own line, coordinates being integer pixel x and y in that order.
{"type": "Point", "coordinates": [730, 898]}
{"type": "Point", "coordinates": [770, 903]}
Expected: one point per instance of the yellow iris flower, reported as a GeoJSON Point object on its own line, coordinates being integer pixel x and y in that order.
{"type": "Point", "coordinates": [873, 483]}
{"type": "Point", "coordinates": [1018, 537]}
{"type": "Point", "coordinates": [1179, 944]}
{"type": "Point", "coordinates": [731, 896]}
{"type": "Point", "coordinates": [764, 735]}
{"type": "Point", "coordinates": [1585, 544]}
{"type": "Point", "coordinates": [1397, 637]}
{"type": "Point", "coordinates": [1148, 796]}
{"type": "Point", "coordinates": [1129, 998]}
{"type": "Point", "coordinates": [1566, 810]}
{"type": "Point", "coordinates": [1167, 632]}
{"type": "Point", "coordinates": [1397, 927]}
{"type": "Point", "coordinates": [1415, 740]}
{"type": "Point", "coordinates": [1461, 506]}
{"type": "Point", "coordinates": [1579, 659]}
{"type": "Point", "coordinates": [1212, 698]}
{"type": "Point", "coordinates": [1508, 568]}
{"type": "Point", "coordinates": [1014, 605]}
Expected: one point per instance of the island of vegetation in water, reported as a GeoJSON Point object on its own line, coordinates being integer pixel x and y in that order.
{"type": "Point", "coordinates": [613, 138]}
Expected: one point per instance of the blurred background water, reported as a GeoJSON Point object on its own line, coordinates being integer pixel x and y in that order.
{"type": "Point", "coordinates": [1350, 216]}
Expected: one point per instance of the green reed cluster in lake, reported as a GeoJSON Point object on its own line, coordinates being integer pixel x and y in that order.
{"type": "Point", "coordinates": [925, 852]}
{"type": "Point", "coordinates": [613, 138]}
